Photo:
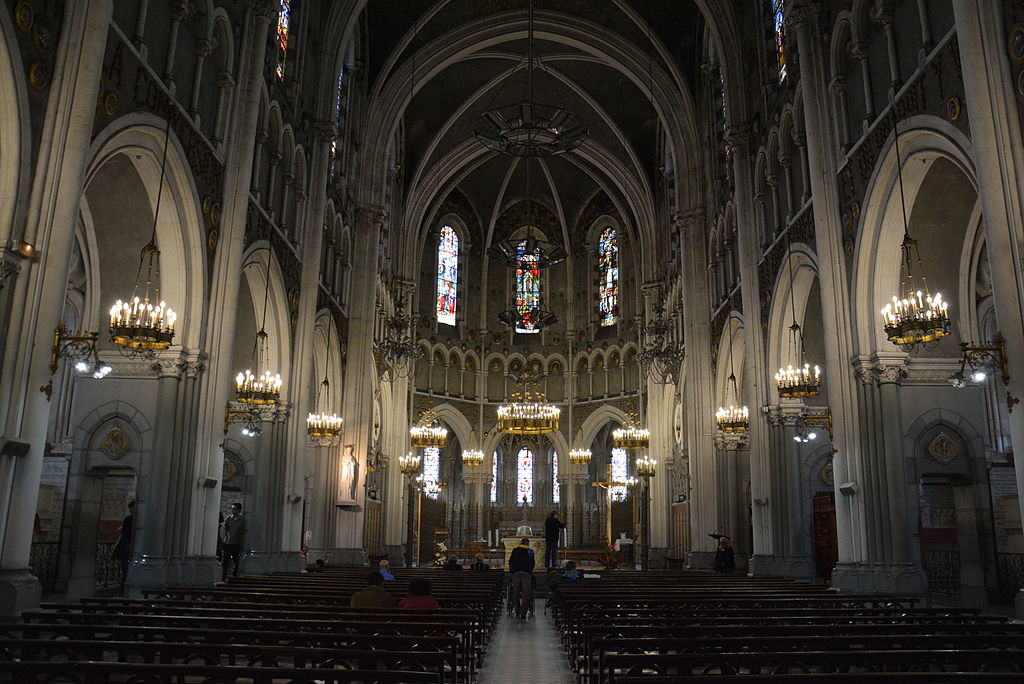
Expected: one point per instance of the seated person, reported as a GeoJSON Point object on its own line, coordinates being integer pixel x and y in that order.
{"type": "Point", "coordinates": [452, 564]}
{"type": "Point", "coordinates": [419, 597]}
{"type": "Point", "coordinates": [374, 595]}
{"type": "Point", "coordinates": [478, 564]}
{"type": "Point", "coordinates": [384, 568]}
{"type": "Point", "coordinates": [570, 571]}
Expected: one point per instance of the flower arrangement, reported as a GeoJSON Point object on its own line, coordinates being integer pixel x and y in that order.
{"type": "Point", "coordinates": [440, 553]}
{"type": "Point", "coordinates": [609, 559]}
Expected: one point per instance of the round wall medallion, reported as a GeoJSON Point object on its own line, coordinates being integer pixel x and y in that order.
{"type": "Point", "coordinates": [207, 202]}
{"type": "Point", "coordinates": [110, 103]}
{"type": "Point", "coordinates": [943, 449]}
{"type": "Point", "coordinates": [42, 38]}
{"type": "Point", "coordinates": [953, 108]}
{"type": "Point", "coordinates": [1015, 44]}
{"type": "Point", "coordinates": [24, 15]}
{"type": "Point", "coordinates": [38, 75]}
{"type": "Point", "coordinates": [230, 470]}
{"type": "Point", "coordinates": [215, 214]}
{"type": "Point", "coordinates": [1020, 83]}
{"type": "Point", "coordinates": [211, 239]}
{"type": "Point", "coordinates": [827, 475]}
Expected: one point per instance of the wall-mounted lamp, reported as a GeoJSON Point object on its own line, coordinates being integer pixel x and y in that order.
{"type": "Point", "coordinates": [77, 345]}
{"type": "Point", "coordinates": [805, 423]}
{"type": "Point", "coordinates": [979, 357]}
{"type": "Point", "coordinates": [247, 416]}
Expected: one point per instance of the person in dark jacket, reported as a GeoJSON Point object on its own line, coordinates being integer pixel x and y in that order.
{"type": "Point", "coordinates": [725, 557]}
{"type": "Point", "coordinates": [234, 537]}
{"type": "Point", "coordinates": [374, 595]}
{"type": "Point", "coordinates": [521, 563]}
{"type": "Point", "coordinates": [552, 531]}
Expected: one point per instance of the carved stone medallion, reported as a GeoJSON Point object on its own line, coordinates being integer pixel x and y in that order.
{"type": "Point", "coordinates": [116, 443]}
{"type": "Point", "coordinates": [943, 449]}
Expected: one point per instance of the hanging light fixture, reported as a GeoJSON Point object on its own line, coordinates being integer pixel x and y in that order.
{"type": "Point", "coordinates": [662, 355]}
{"type": "Point", "coordinates": [530, 128]}
{"type": "Point", "coordinates": [396, 353]}
{"type": "Point", "coordinates": [262, 386]}
{"type": "Point", "coordinates": [646, 467]}
{"type": "Point", "coordinates": [144, 325]}
{"type": "Point", "coordinates": [580, 456]}
{"type": "Point", "coordinates": [409, 464]}
{"type": "Point", "coordinates": [801, 381]}
{"type": "Point", "coordinates": [324, 428]}
{"type": "Point", "coordinates": [473, 458]}
{"type": "Point", "coordinates": [427, 432]}
{"type": "Point", "coordinates": [632, 437]}
{"type": "Point", "coordinates": [735, 418]}
{"type": "Point", "coordinates": [528, 413]}
{"type": "Point", "coordinates": [915, 316]}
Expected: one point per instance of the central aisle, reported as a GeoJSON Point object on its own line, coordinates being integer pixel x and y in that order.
{"type": "Point", "coordinates": [526, 652]}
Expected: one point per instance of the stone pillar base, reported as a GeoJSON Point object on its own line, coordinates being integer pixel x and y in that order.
{"type": "Point", "coordinates": [700, 560]}
{"type": "Point", "coordinates": [19, 591]}
{"type": "Point", "coordinates": [352, 557]}
{"type": "Point", "coordinates": [265, 563]}
{"type": "Point", "coordinates": [760, 566]}
{"type": "Point", "coordinates": [395, 554]}
{"type": "Point", "coordinates": [879, 578]}
{"type": "Point", "coordinates": [800, 568]}
{"type": "Point", "coordinates": [156, 573]}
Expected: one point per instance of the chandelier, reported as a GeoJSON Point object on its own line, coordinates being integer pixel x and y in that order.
{"type": "Point", "coordinates": [544, 254]}
{"type": "Point", "coordinates": [396, 352]}
{"type": "Point", "coordinates": [262, 386]}
{"type": "Point", "coordinates": [530, 128]}
{"type": "Point", "coordinates": [427, 433]}
{"type": "Point", "coordinates": [140, 325]}
{"type": "Point", "coordinates": [528, 413]}
{"type": "Point", "coordinates": [735, 418]}
{"type": "Point", "coordinates": [915, 316]}
{"type": "Point", "coordinates": [473, 458]}
{"type": "Point", "coordinates": [791, 382]}
{"type": "Point", "coordinates": [631, 438]}
{"type": "Point", "coordinates": [409, 463]}
{"type": "Point", "coordinates": [323, 428]}
{"type": "Point", "coordinates": [580, 456]}
{"type": "Point", "coordinates": [646, 467]}
{"type": "Point", "coordinates": [661, 356]}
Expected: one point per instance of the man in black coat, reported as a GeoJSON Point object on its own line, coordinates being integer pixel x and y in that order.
{"type": "Point", "coordinates": [521, 563]}
{"type": "Point", "coordinates": [552, 531]}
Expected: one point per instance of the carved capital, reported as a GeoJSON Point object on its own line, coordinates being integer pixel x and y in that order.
{"type": "Point", "coordinates": [759, 197]}
{"type": "Point", "coordinates": [261, 137]}
{"type": "Point", "coordinates": [838, 84]}
{"type": "Point", "coordinates": [651, 289]}
{"type": "Point", "coordinates": [888, 374]}
{"type": "Point", "coordinates": [226, 80]}
{"type": "Point", "coordinates": [180, 10]}
{"type": "Point", "coordinates": [325, 131]}
{"type": "Point", "coordinates": [167, 368]}
{"type": "Point", "coordinates": [859, 51]}
{"type": "Point", "coordinates": [691, 218]}
{"type": "Point", "coordinates": [371, 213]}
{"type": "Point", "coordinates": [738, 137]}
{"type": "Point", "coordinates": [289, 178]}
{"type": "Point", "coordinates": [800, 12]}
{"type": "Point", "coordinates": [732, 441]}
{"type": "Point", "coordinates": [799, 139]}
{"type": "Point", "coordinates": [772, 179]}
{"type": "Point", "coordinates": [204, 48]}
{"type": "Point", "coordinates": [264, 9]}
{"type": "Point", "coordinates": [785, 161]}
{"type": "Point", "coordinates": [275, 157]}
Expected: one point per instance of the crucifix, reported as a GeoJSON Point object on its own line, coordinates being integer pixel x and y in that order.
{"type": "Point", "coordinates": [607, 485]}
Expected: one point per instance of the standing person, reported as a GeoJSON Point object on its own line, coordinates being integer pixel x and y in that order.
{"type": "Point", "coordinates": [552, 532]}
{"type": "Point", "coordinates": [725, 557]}
{"type": "Point", "coordinates": [122, 551]}
{"type": "Point", "coordinates": [234, 537]}
{"type": "Point", "coordinates": [521, 563]}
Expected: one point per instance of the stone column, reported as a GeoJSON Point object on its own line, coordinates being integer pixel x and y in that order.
{"type": "Point", "coordinates": [731, 450]}
{"type": "Point", "coordinates": [37, 296]}
{"type": "Point", "coordinates": [357, 404]}
{"type": "Point", "coordinates": [833, 281]}
{"type": "Point", "coordinates": [217, 385]}
{"type": "Point", "coordinates": [996, 135]}
{"type": "Point", "coordinates": [265, 538]}
{"type": "Point", "coordinates": [698, 399]}
{"type": "Point", "coordinates": [794, 554]}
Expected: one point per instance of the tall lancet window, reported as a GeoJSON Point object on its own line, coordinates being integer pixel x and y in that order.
{"type": "Point", "coordinates": [620, 471]}
{"type": "Point", "coordinates": [432, 470]}
{"type": "Point", "coordinates": [339, 117]}
{"type": "Point", "coordinates": [494, 478]}
{"type": "Point", "coordinates": [524, 476]}
{"type": "Point", "coordinates": [608, 269]}
{"type": "Point", "coordinates": [284, 19]}
{"type": "Point", "coordinates": [527, 291]}
{"type": "Point", "coordinates": [556, 494]}
{"type": "Point", "coordinates": [447, 275]}
{"type": "Point", "coordinates": [779, 22]}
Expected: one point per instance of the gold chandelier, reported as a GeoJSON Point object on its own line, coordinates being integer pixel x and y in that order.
{"type": "Point", "coordinates": [139, 325]}
{"type": "Point", "coordinates": [409, 463]}
{"type": "Point", "coordinates": [796, 382]}
{"type": "Point", "coordinates": [473, 458]}
{"type": "Point", "coordinates": [321, 427]}
{"type": "Point", "coordinates": [914, 316]}
{"type": "Point", "coordinates": [735, 418]}
{"type": "Point", "coordinates": [580, 456]}
{"type": "Point", "coordinates": [263, 386]}
{"type": "Point", "coordinates": [646, 467]}
{"type": "Point", "coordinates": [631, 438]}
{"type": "Point", "coordinates": [427, 433]}
{"type": "Point", "coordinates": [528, 414]}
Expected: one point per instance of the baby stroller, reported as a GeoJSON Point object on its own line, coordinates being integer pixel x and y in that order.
{"type": "Point", "coordinates": [512, 598]}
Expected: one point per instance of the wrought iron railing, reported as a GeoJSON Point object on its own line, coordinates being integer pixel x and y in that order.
{"type": "Point", "coordinates": [108, 570]}
{"type": "Point", "coordinates": [943, 569]}
{"type": "Point", "coordinates": [43, 559]}
{"type": "Point", "coordinates": [1010, 569]}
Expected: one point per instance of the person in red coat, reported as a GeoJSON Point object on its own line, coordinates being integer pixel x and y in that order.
{"type": "Point", "coordinates": [419, 597]}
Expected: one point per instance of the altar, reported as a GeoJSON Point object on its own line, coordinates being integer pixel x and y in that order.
{"type": "Point", "coordinates": [537, 545]}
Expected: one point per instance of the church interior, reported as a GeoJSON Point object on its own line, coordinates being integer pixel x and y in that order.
{"type": "Point", "coordinates": [402, 277]}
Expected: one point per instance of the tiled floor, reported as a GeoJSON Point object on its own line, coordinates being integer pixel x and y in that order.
{"type": "Point", "coordinates": [526, 652]}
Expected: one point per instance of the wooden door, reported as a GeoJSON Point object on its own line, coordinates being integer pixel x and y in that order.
{"type": "Point", "coordinates": [826, 545]}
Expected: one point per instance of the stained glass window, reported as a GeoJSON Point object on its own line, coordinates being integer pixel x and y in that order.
{"type": "Point", "coordinates": [524, 476]}
{"type": "Point", "coordinates": [447, 275]}
{"type": "Point", "coordinates": [556, 494]}
{"type": "Point", "coordinates": [494, 478]}
{"type": "Point", "coordinates": [779, 20]}
{"type": "Point", "coordinates": [339, 115]}
{"type": "Point", "coordinates": [432, 470]}
{"type": "Point", "coordinates": [608, 268]}
{"type": "Point", "coordinates": [527, 290]}
{"type": "Point", "coordinates": [620, 471]}
{"type": "Point", "coordinates": [284, 18]}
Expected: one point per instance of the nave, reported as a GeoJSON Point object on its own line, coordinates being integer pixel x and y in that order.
{"type": "Point", "coordinates": [611, 627]}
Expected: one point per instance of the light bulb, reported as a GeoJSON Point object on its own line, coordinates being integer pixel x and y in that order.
{"type": "Point", "coordinates": [978, 376]}
{"type": "Point", "coordinates": [812, 435]}
{"type": "Point", "coordinates": [82, 367]}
